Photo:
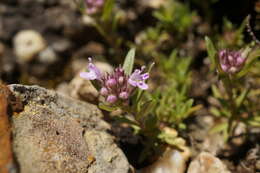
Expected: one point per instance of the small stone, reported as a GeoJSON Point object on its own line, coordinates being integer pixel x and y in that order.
{"type": "Point", "coordinates": [27, 44]}
{"type": "Point", "coordinates": [172, 161]}
{"type": "Point", "coordinates": [47, 56]}
{"type": "Point", "coordinates": [207, 163]}
{"type": "Point", "coordinates": [153, 3]}
{"type": "Point", "coordinates": [239, 138]}
{"type": "Point", "coordinates": [94, 48]}
{"type": "Point", "coordinates": [87, 20]}
{"type": "Point", "coordinates": [78, 64]}
{"type": "Point", "coordinates": [82, 89]}
{"type": "Point", "coordinates": [61, 45]}
{"type": "Point", "coordinates": [104, 67]}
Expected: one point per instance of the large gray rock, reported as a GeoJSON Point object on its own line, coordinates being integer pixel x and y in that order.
{"type": "Point", "coordinates": [57, 134]}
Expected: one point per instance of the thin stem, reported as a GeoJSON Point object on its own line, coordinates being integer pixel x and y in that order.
{"type": "Point", "coordinates": [228, 84]}
{"type": "Point", "coordinates": [102, 32]}
{"type": "Point", "coordinates": [108, 34]}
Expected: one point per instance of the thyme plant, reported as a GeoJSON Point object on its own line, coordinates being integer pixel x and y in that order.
{"type": "Point", "coordinates": [234, 90]}
{"type": "Point", "coordinates": [127, 89]}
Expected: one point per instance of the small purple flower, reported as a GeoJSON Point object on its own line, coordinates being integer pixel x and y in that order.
{"type": "Point", "coordinates": [93, 72]}
{"type": "Point", "coordinates": [116, 87]}
{"type": "Point", "coordinates": [231, 61]}
{"type": "Point", "coordinates": [137, 79]}
{"type": "Point", "coordinates": [94, 6]}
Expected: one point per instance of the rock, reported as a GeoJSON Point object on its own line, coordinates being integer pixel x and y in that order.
{"type": "Point", "coordinates": [108, 154]}
{"type": "Point", "coordinates": [94, 48]}
{"type": "Point", "coordinates": [27, 44]}
{"type": "Point", "coordinates": [56, 134]}
{"type": "Point", "coordinates": [82, 89]}
{"type": "Point", "coordinates": [62, 45]}
{"type": "Point", "coordinates": [239, 139]}
{"type": "Point", "coordinates": [207, 163]}
{"type": "Point", "coordinates": [47, 56]}
{"type": "Point", "coordinates": [78, 65]}
{"type": "Point", "coordinates": [152, 3]}
{"type": "Point", "coordinates": [172, 161]}
{"type": "Point", "coordinates": [104, 67]}
{"type": "Point", "coordinates": [201, 138]}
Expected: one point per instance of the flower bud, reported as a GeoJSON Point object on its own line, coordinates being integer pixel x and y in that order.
{"type": "Point", "coordinates": [111, 99]}
{"type": "Point", "coordinates": [104, 91]}
{"type": "Point", "coordinates": [231, 61]}
{"type": "Point", "coordinates": [111, 82]}
{"type": "Point", "coordinates": [124, 95]}
{"type": "Point", "coordinates": [94, 6]}
{"type": "Point", "coordinates": [121, 80]}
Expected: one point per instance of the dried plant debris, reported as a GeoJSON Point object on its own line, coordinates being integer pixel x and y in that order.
{"type": "Point", "coordinates": [252, 162]}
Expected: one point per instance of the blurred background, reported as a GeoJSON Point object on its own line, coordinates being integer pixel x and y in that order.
{"type": "Point", "coordinates": [46, 42]}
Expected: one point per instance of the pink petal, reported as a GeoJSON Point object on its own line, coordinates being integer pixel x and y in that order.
{"type": "Point", "coordinates": [145, 76]}
{"type": "Point", "coordinates": [142, 85]}
{"type": "Point", "coordinates": [132, 82]}
{"type": "Point", "coordinates": [224, 67]}
{"type": "Point", "coordinates": [88, 75]}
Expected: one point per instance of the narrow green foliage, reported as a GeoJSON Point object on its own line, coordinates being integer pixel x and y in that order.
{"type": "Point", "coordinates": [251, 60]}
{"type": "Point", "coordinates": [129, 61]}
{"type": "Point", "coordinates": [107, 10]}
{"type": "Point", "coordinates": [211, 52]}
{"type": "Point", "coordinates": [174, 16]}
{"type": "Point", "coordinates": [240, 99]}
{"type": "Point", "coordinates": [107, 107]}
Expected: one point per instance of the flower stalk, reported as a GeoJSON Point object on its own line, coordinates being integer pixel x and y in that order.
{"type": "Point", "coordinates": [231, 62]}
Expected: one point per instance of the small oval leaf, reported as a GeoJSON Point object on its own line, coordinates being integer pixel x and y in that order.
{"type": "Point", "coordinates": [129, 61]}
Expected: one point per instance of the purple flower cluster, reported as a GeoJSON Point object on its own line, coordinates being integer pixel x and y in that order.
{"type": "Point", "coordinates": [116, 86]}
{"type": "Point", "coordinates": [231, 61]}
{"type": "Point", "coordinates": [94, 6]}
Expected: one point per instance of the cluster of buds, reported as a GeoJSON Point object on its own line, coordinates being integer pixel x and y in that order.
{"type": "Point", "coordinates": [93, 6]}
{"type": "Point", "coordinates": [231, 61]}
{"type": "Point", "coordinates": [117, 86]}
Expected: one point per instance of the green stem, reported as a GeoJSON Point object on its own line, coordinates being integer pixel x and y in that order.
{"type": "Point", "coordinates": [102, 32]}
{"type": "Point", "coordinates": [228, 84]}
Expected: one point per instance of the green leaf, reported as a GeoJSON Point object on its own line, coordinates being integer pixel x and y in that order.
{"type": "Point", "coordinates": [129, 61]}
{"type": "Point", "coordinates": [182, 126]}
{"type": "Point", "coordinates": [107, 11]}
{"type": "Point", "coordinates": [215, 111]}
{"type": "Point", "coordinates": [151, 122]}
{"type": "Point", "coordinates": [211, 52]}
{"type": "Point", "coordinates": [132, 123]}
{"type": "Point", "coordinates": [146, 108]}
{"type": "Point", "coordinates": [123, 119]}
{"type": "Point", "coordinates": [241, 97]}
{"type": "Point", "coordinates": [193, 109]}
{"type": "Point", "coordinates": [216, 92]}
{"type": "Point", "coordinates": [219, 128]}
{"type": "Point", "coordinates": [251, 59]}
{"type": "Point", "coordinates": [107, 107]}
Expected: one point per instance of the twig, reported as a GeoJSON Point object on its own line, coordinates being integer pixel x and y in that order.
{"type": "Point", "coordinates": [250, 30]}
